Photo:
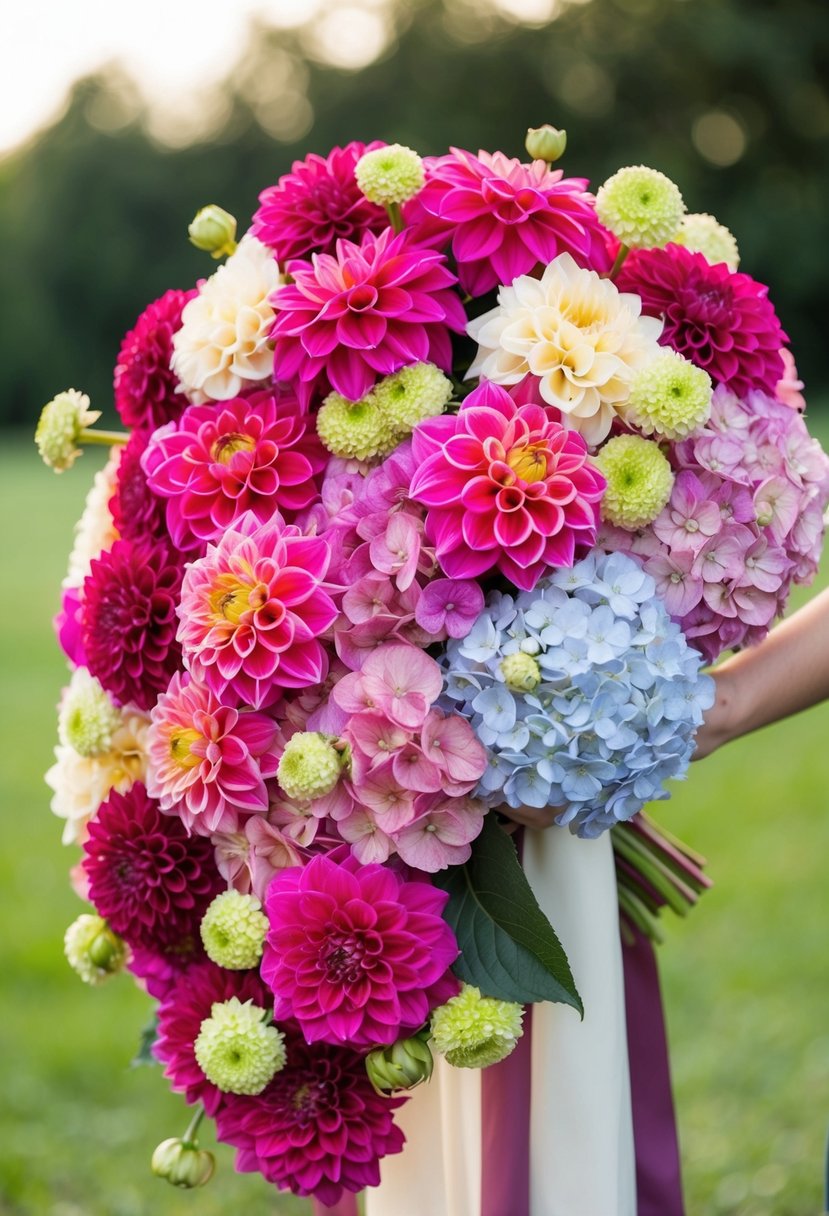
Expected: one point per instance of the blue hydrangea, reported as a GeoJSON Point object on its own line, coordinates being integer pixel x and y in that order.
{"type": "Point", "coordinates": [618, 699]}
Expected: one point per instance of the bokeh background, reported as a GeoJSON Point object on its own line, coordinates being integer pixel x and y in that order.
{"type": "Point", "coordinates": [114, 129]}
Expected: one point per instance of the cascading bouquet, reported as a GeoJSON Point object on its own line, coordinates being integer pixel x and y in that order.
{"type": "Point", "coordinates": [435, 497]}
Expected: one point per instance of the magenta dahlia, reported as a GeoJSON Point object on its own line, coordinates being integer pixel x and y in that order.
{"type": "Point", "coordinates": [317, 204]}
{"type": "Point", "coordinates": [208, 762]}
{"type": "Point", "coordinates": [129, 620]}
{"type": "Point", "coordinates": [258, 453]}
{"type": "Point", "coordinates": [319, 1128]}
{"type": "Point", "coordinates": [252, 610]}
{"type": "Point", "coordinates": [145, 387]}
{"type": "Point", "coordinates": [353, 950]}
{"type": "Point", "coordinates": [506, 486]}
{"type": "Point", "coordinates": [720, 319]}
{"type": "Point", "coordinates": [147, 877]}
{"type": "Point", "coordinates": [180, 1015]}
{"type": "Point", "coordinates": [137, 512]}
{"type": "Point", "coordinates": [504, 217]}
{"type": "Point", "coordinates": [365, 312]}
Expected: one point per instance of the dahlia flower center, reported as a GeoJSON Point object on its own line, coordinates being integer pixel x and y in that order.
{"type": "Point", "coordinates": [230, 599]}
{"type": "Point", "coordinates": [310, 1098]}
{"type": "Point", "coordinates": [181, 747]}
{"type": "Point", "coordinates": [362, 298]}
{"type": "Point", "coordinates": [529, 461]}
{"type": "Point", "coordinates": [343, 958]}
{"type": "Point", "coordinates": [226, 447]}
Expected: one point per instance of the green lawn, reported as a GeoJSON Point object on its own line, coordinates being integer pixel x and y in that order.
{"type": "Point", "coordinates": [746, 977]}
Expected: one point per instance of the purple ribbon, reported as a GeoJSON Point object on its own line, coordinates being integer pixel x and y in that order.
{"type": "Point", "coordinates": [505, 1130]}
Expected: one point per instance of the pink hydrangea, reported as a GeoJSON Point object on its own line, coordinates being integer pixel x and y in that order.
{"type": "Point", "coordinates": [248, 858]}
{"type": "Point", "coordinates": [504, 217]}
{"type": "Point", "coordinates": [507, 487]}
{"type": "Point", "coordinates": [363, 313]}
{"type": "Point", "coordinates": [208, 763]}
{"type": "Point", "coordinates": [356, 954]}
{"type": "Point", "coordinates": [258, 453]}
{"type": "Point", "coordinates": [252, 611]}
{"type": "Point", "coordinates": [319, 1128]}
{"type": "Point", "coordinates": [317, 204]}
{"type": "Point", "coordinates": [146, 393]}
{"type": "Point", "coordinates": [720, 319]}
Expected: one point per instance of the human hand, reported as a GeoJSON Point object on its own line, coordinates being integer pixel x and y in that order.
{"type": "Point", "coordinates": [718, 725]}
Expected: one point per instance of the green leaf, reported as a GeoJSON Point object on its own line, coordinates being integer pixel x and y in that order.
{"type": "Point", "coordinates": [144, 1053]}
{"type": "Point", "coordinates": [508, 947]}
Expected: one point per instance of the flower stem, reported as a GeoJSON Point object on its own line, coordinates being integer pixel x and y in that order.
{"type": "Point", "coordinates": [108, 438]}
{"type": "Point", "coordinates": [620, 258]}
{"type": "Point", "coordinates": [395, 216]}
{"type": "Point", "coordinates": [189, 1138]}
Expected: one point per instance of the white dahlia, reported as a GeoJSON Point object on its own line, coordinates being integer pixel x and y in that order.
{"type": "Point", "coordinates": [95, 530]}
{"type": "Point", "coordinates": [577, 333]}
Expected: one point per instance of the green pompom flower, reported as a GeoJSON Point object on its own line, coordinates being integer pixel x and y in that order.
{"type": "Point", "coordinates": [88, 718]}
{"type": "Point", "coordinates": [639, 481]}
{"type": "Point", "coordinates": [409, 396]}
{"type": "Point", "coordinates": [310, 766]}
{"type": "Point", "coordinates": [61, 425]}
{"type": "Point", "coordinates": [474, 1031]}
{"type": "Point", "coordinates": [389, 175]}
{"type": "Point", "coordinates": [236, 1050]}
{"type": "Point", "coordinates": [93, 950]}
{"type": "Point", "coordinates": [670, 396]}
{"type": "Point", "coordinates": [640, 206]}
{"type": "Point", "coordinates": [702, 233]}
{"type": "Point", "coordinates": [520, 672]}
{"type": "Point", "coordinates": [355, 430]}
{"type": "Point", "coordinates": [233, 931]}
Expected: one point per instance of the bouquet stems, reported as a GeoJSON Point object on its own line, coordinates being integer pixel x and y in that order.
{"type": "Point", "coordinates": [654, 869]}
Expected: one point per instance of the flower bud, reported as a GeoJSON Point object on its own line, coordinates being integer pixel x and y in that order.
{"type": "Point", "coordinates": [182, 1164]}
{"type": "Point", "coordinates": [60, 427]}
{"type": "Point", "coordinates": [214, 230]}
{"type": "Point", "coordinates": [93, 950]}
{"type": "Point", "coordinates": [545, 143]}
{"type": "Point", "coordinates": [403, 1065]}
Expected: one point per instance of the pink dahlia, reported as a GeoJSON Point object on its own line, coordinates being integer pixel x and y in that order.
{"type": "Point", "coordinates": [317, 204]}
{"type": "Point", "coordinates": [129, 620]}
{"type": "Point", "coordinates": [208, 762]}
{"type": "Point", "coordinates": [137, 512]}
{"type": "Point", "coordinates": [353, 950]}
{"type": "Point", "coordinates": [68, 626]}
{"type": "Point", "coordinates": [719, 319]}
{"type": "Point", "coordinates": [506, 486]}
{"type": "Point", "coordinates": [147, 877]}
{"type": "Point", "coordinates": [180, 1015]}
{"type": "Point", "coordinates": [252, 610]}
{"type": "Point", "coordinates": [319, 1128]}
{"type": "Point", "coordinates": [365, 312]}
{"type": "Point", "coordinates": [145, 387]}
{"type": "Point", "coordinates": [258, 453]}
{"type": "Point", "coordinates": [504, 217]}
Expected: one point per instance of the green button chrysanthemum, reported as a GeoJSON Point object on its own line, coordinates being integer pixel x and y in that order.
{"type": "Point", "coordinates": [310, 766]}
{"type": "Point", "coordinates": [474, 1031]}
{"type": "Point", "coordinates": [88, 718]}
{"type": "Point", "coordinates": [233, 930]}
{"type": "Point", "coordinates": [640, 206]}
{"type": "Point", "coordinates": [704, 234]}
{"type": "Point", "coordinates": [670, 397]}
{"type": "Point", "coordinates": [93, 950]}
{"type": "Point", "coordinates": [520, 672]}
{"type": "Point", "coordinates": [409, 396]}
{"type": "Point", "coordinates": [355, 430]}
{"type": "Point", "coordinates": [236, 1050]}
{"type": "Point", "coordinates": [59, 429]}
{"type": "Point", "coordinates": [393, 174]}
{"type": "Point", "coordinates": [639, 481]}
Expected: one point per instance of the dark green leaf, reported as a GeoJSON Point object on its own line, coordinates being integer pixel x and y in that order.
{"type": "Point", "coordinates": [144, 1054]}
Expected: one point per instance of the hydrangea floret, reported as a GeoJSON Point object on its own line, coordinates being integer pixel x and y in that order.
{"type": "Point", "coordinates": [233, 930]}
{"type": "Point", "coordinates": [310, 765]}
{"type": "Point", "coordinates": [237, 1050]}
{"type": "Point", "coordinates": [641, 207]}
{"type": "Point", "coordinates": [93, 950]}
{"type": "Point", "coordinates": [392, 174]}
{"type": "Point", "coordinates": [61, 428]}
{"type": "Point", "coordinates": [474, 1031]}
{"type": "Point", "coordinates": [639, 480]}
{"type": "Point", "coordinates": [670, 397]}
{"type": "Point", "coordinates": [702, 233]}
{"type": "Point", "coordinates": [88, 718]}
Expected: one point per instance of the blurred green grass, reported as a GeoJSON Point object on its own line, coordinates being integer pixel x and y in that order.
{"type": "Point", "coordinates": [745, 976]}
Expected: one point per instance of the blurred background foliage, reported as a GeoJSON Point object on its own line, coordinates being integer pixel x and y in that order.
{"type": "Point", "coordinates": [728, 98]}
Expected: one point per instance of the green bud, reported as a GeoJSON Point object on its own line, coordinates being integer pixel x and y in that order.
{"type": "Point", "coordinates": [182, 1164]}
{"type": "Point", "coordinates": [214, 230]}
{"type": "Point", "coordinates": [403, 1065]}
{"type": "Point", "coordinates": [93, 950]}
{"type": "Point", "coordinates": [545, 143]}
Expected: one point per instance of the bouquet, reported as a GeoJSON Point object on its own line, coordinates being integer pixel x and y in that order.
{"type": "Point", "coordinates": [434, 499]}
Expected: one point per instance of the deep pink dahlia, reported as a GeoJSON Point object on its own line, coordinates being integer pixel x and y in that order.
{"type": "Point", "coordinates": [365, 312]}
{"type": "Point", "coordinates": [352, 950]}
{"type": "Point", "coordinates": [208, 762]}
{"type": "Point", "coordinates": [147, 877]}
{"type": "Point", "coordinates": [137, 512]}
{"type": "Point", "coordinates": [145, 387]}
{"type": "Point", "coordinates": [68, 626]}
{"type": "Point", "coordinates": [318, 1129]}
{"type": "Point", "coordinates": [129, 620]}
{"type": "Point", "coordinates": [720, 319]}
{"type": "Point", "coordinates": [316, 204]}
{"type": "Point", "coordinates": [180, 1015]}
{"type": "Point", "coordinates": [504, 217]}
{"type": "Point", "coordinates": [258, 453]}
{"type": "Point", "coordinates": [252, 610]}
{"type": "Point", "coordinates": [507, 488]}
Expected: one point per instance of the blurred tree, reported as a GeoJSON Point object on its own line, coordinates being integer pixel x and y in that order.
{"type": "Point", "coordinates": [727, 98]}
